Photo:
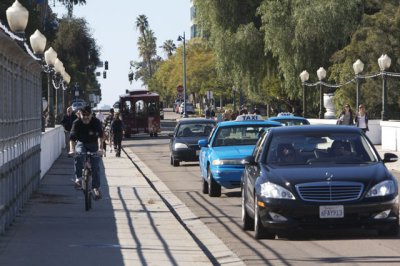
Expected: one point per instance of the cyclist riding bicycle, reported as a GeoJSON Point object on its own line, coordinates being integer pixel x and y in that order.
{"type": "Point", "coordinates": [87, 135]}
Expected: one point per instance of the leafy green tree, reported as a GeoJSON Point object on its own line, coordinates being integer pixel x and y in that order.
{"type": "Point", "coordinates": [377, 34]}
{"type": "Point", "coordinates": [77, 49]}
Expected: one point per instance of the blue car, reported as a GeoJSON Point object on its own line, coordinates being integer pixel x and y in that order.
{"type": "Point", "coordinates": [288, 119]}
{"type": "Point", "coordinates": [222, 153]}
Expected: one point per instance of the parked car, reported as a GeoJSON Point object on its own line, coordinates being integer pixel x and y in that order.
{"type": "Point", "coordinates": [189, 108]}
{"type": "Point", "coordinates": [288, 119]}
{"type": "Point", "coordinates": [222, 154]}
{"type": "Point", "coordinates": [183, 144]}
{"type": "Point", "coordinates": [323, 176]}
{"type": "Point", "coordinates": [76, 105]}
{"type": "Point", "coordinates": [176, 105]}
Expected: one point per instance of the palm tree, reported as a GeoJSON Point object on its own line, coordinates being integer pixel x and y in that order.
{"type": "Point", "coordinates": [146, 42]}
{"type": "Point", "coordinates": [69, 4]}
{"type": "Point", "coordinates": [142, 24]}
{"type": "Point", "coordinates": [169, 47]}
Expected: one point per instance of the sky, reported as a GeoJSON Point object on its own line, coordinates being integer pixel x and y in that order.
{"type": "Point", "coordinates": [113, 27]}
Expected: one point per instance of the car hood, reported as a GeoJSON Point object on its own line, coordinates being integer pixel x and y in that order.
{"type": "Point", "coordinates": [233, 152]}
{"type": "Point", "coordinates": [365, 173]}
{"type": "Point", "coordinates": [188, 140]}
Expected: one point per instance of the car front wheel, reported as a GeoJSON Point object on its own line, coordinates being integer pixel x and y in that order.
{"type": "Point", "coordinates": [260, 232]}
{"type": "Point", "coordinates": [214, 189]}
{"type": "Point", "coordinates": [175, 162]}
{"type": "Point", "coordinates": [247, 221]}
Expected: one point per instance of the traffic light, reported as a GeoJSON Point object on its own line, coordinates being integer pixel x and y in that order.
{"type": "Point", "coordinates": [104, 74]}
{"type": "Point", "coordinates": [106, 65]}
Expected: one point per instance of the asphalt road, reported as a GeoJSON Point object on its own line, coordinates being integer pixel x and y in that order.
{"type": "Point", "coordinates": [222, 216]}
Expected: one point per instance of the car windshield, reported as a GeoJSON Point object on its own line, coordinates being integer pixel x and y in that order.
{"type": "Point", "coordinates": [195, 130]}
{"type": "Point", "coordinates": [238, 135]}
{"type": "Point", "coordinates": [319, 148]}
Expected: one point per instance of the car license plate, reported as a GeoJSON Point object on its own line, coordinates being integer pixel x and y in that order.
{"type": "Point", "coordinates": [197, 152]}
{"type": "Point", "coordinates": [334, 211]}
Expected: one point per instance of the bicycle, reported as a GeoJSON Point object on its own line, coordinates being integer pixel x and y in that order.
{"type": "Point", "coordinates": [87, 178]}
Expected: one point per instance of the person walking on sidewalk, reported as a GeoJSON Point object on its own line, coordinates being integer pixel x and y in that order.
{"type": "Point", "coordinates": [66, 122]}
{"type": "Point", "coordinates": [362, 118]}
{"type": "Point", "coordinates": [346, 116]}
{"type": "Point", "coordinates": [117, 131]}
{"type": "Point", "coordinates": [87, 135]}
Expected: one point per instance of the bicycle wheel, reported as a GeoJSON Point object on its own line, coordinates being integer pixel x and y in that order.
{"type": "Point", "coordinates": [86, 189]}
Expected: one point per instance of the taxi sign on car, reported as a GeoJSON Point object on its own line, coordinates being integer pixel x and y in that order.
{"type": "Point", "coordinates": [248, 117]}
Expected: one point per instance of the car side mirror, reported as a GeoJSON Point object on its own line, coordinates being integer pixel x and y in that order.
{"type": "Point", "coordinates": [390, 158]}
{"type": "Point", "coordinates": [249, 160]}
{"type": "Point", "coordinates": [202, 143]}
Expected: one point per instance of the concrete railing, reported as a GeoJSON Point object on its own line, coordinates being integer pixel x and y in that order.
{"type": "Point", "coordinates": [374, 133]}
{"type": "Point", "coordinates": [51, 146]}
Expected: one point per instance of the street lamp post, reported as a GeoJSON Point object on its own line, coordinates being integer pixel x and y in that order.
{"type": "Point", "coordinates": [304, 76]}
{"type": "Point", "coordinates": [321, 73]}
{"type": "Point", "coordinates": [17, 18]}
{"type": "Point", "coordinates": [384, 63]}
{"type": "Point", "coordinates": [182, 38]}
{"type": "Point", "coordinates": [358, 67]}
{"type": "Point", "coordinates": [50, 57]}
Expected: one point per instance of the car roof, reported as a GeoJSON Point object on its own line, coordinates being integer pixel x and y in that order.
{"type": "Point", "coordinates": [287, 117]}
{"type": "Point", "coordinates": [248, 122]}
{"type": "Point", "coordinates": [315, 128]}
{"type": "Point", "coordinates": [195, 120]}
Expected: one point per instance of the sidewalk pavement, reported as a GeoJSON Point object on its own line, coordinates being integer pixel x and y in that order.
{"type": "Point", "coordinates": [136, 223]}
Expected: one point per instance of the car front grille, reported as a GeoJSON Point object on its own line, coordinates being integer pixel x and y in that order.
{"type": "Point", "coordinates": [330, 191]}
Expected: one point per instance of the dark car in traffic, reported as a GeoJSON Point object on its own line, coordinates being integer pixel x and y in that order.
{"type": "Point", "coordinates": [324, 176]}
{"type": "Point", "coordinates": [183, 144]}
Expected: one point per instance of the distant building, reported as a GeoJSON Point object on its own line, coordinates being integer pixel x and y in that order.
{"type": "Point", "coordinates": [195, 31]}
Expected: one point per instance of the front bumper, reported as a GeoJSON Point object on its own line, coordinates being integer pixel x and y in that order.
{"type": "Point", "coordinates": [306, 215]}
{"type": "Point", "coordinates": [186, 155]}
{"type": "Point", "coordinates": [228, 177]}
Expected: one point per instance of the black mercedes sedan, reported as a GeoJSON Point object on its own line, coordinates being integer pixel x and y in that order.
{"type": "Point", "coordinates": [323, 176]}
{"type": "Point", "coordinates": [183, 143]}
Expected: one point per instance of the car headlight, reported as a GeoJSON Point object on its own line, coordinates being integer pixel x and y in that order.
{"type": "Point", "coordinates": [270, 190]}
{"type": "Point", "coordinates": [227, 162]}
{"type": "Point", "coordinates": [382, 189]}
{"type": "Point", "coordinates": [180, 146]}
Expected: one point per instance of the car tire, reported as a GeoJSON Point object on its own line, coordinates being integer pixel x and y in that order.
{"type": "Point", "coordinates": [205, 186]}
{"type": "Point", "coordinates": [171, 161]}
{"type": "Point", "coordinates": [214, 189]}
{"type": "Point", "coordinates": [260, 232]}
{"type": "Point", "coordinates": [393, 230]}
{"type": "Point", "coordinates": [247, 221]}
{"type": "Point", "coordinates": [175, 162]}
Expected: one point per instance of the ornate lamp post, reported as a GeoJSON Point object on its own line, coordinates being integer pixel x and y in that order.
{"type": "Point", "coordinates": [182, 39]}
{"type": "Point", "coordinates": [304, 76]}
{"type": "Point", "coordinates": [384, 63]}
{"type": "Point", "coordinates": [17, 18]}
{"type": "Point", "coordinates": [50, 57]}
{"type": "Point", "coordinates": [358, 67]}
{"type": "Point", "coordinates": [321, 73]}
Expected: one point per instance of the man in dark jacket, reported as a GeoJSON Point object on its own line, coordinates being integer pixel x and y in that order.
{"type": "Point", "coordinates": [87, 135]}
{"type": "Point", "coordinates": [66, 122]}
{"type": "Point", "coordinates": [117, 131]}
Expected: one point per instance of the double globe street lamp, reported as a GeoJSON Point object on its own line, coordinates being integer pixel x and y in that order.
{"type": "Point", "coordinates": [183, 39]}
{"type": "Point", "coordinates": [17, 18]}
{"type": "Point", "coordinates": [384, 63]}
